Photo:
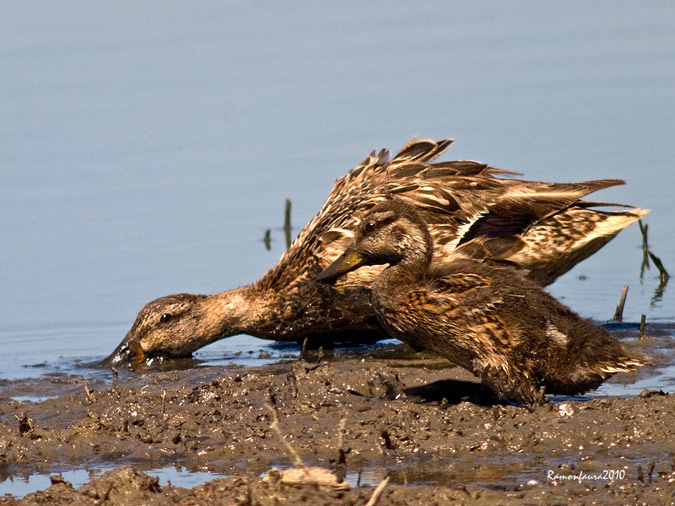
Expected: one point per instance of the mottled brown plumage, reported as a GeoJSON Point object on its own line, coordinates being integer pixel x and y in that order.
{"type": "Point", "coordinates": [473, 211]}
{"type": "Point", "coordinates": [485, 317]}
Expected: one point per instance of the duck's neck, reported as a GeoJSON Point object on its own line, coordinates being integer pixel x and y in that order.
{"type": "Point", "coordinates": [404, 273]}
{"type": "Point", "coordinates": [243, 310]}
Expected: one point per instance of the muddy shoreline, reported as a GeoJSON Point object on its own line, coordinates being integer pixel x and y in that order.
{"type": "Point", "coordinates": [437, 433]}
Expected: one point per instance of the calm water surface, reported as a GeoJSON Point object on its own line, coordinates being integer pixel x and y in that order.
{"type": "Point", "coordinates": [145, 148]}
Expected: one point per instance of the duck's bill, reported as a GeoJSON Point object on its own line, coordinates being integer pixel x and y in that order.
{"type": "Point", "coordinates": [348, 261]}
{"type": "Point", "coordinates": [129, 352]}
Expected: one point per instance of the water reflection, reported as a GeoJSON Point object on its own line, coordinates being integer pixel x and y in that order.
{"type": "Point", "coordinates": [646, 255]}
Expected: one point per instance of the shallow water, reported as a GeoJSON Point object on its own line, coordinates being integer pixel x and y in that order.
{"type": "Point", "coordinates": [176, 475]}
{"type": "Point", "coordinates": [145, 148]}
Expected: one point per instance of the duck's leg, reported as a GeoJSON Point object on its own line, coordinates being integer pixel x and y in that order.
{"type": "Point", "coordinates": [510, 384]}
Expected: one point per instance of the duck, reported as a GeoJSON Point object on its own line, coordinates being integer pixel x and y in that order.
{"type": "Point", "coordinates": [484, 316]}
{"type": "Point", "coordinates": [473, 211]}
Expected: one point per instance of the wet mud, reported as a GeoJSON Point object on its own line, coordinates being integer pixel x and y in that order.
{"type": "Point", "coordinates": [438, 435]}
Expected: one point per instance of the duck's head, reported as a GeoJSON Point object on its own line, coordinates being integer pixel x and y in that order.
{"type": "Point", "coordinates": [168, 326]}
{"type": "Point", "coordinates": [391, 233]}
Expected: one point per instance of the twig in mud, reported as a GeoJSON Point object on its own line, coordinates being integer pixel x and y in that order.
{"type": "Point", "coordinates": [274, 427]}
{"type": "Point", "coordinates": [341, 431]}
{"type": "Point", "coordinates": [650, 470]}
{"type": "Point", "coordinates": [90, 398]}
{"type": "Point", "coordinates": [377, 493]}
{"type": "Point", "coordinates": [340, 464]}
{"type": "Point", "coordinates": [618, 314]}
{"type": "Point", "coordinates": [163, 400]}
{"type": "Point", "coordinates": [115, 375]}
{"type": "Point", "coordinates": [293, 382]}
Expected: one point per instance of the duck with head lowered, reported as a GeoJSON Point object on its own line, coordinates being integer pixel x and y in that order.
{"type": "Point", "coordinates": [484, 316]}
{"type": "Point", "coordinates": [472, 210]}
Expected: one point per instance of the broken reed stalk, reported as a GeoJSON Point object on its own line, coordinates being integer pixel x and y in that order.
{"type": "Point", "coordinates": [377, 493]}
{"type": "Point", "coordinates": [618, 314]}
{"type": "Point", "coordinates": [663, 273]}
{"type": "Point", "coordinates": [647, 254]}
{"type": "Point", "coordinates": [267, 240]}
{"type": "Point", "coordinates": [641, 333]}
{"type": "Point", "coordinates": [274, 426]}
{"type": "Point", "coordinates": [645, 248]}
{"type": "Point", "coordinates": [287, 223]}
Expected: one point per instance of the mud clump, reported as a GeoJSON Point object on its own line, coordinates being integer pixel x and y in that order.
{"type": "Point", "coordinates": [439, 436]}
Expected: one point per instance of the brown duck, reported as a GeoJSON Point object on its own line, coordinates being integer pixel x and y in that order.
{"type": "Point", "coordinates": [472, 210]}
{"type": "Point", "coordinates": [485, 317]}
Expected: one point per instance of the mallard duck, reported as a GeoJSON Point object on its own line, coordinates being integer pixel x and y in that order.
{"type": "Point", "coordinates": [473, 211]}
{"type": "Point", "coordinates": [484, 316]}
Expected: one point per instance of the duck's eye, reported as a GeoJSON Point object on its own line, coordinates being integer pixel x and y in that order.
{"type": "Point", "coordinates": [370, 226]}
{"type": "Point", "coordinates": [165, 317]}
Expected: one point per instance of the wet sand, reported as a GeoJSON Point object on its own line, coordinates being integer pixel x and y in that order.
{"type": "Point", "coordinates": [439, 436]}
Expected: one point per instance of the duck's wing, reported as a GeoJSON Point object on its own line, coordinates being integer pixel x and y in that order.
{"type": "Point", "coordinates": [544, 228]}
{"type": "Point", "coordinates": [473, 211]}
{"type": "Point", "coordinates": [412, 176]}
{"type": "Point", "coordinates": [378, 177]}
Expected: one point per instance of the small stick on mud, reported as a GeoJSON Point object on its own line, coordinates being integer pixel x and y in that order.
{"type": "Point", "coordinates": [163, 400]}
{"type": "Point", "coordinates": [341, 431]}
{"type": "Point", "coordinates": [340, 464]}
{"type": "Point", "coordinates": [274, 426]}
{"type": "Point", "coordinates": [618, 314]}
{"type": "Point", "coordinates": [650, 470]}
{"type": "Point", "coordinates": [90, 398]}
{"type": "Point", "coordinates": [293, 383]}
{"type": "Point", "coordinates": [377, 493]}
